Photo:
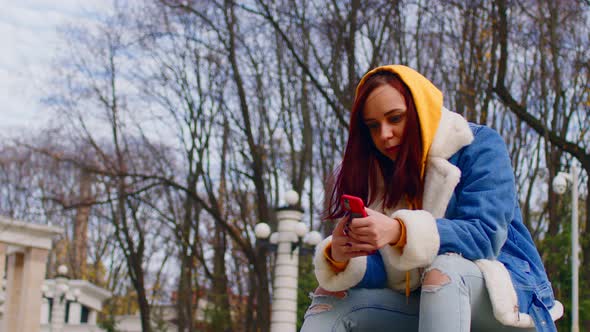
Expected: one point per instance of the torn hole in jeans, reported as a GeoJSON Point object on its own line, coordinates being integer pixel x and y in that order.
{"type": "Point", "coordinates": [434, 279]}
{"type": "Point", "coordinates": [318, 308]}
{"type": "Point", "coordinates": [319, 292]}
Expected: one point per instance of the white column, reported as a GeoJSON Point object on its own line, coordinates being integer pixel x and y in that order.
{"type": "Point", "coordinates": [92, 318]}
{"type": "Point", "coordinates": [45, 311]}
{"type": "Point", "coordinates": [2, 263]}
{"type": "Point", "coordinates": [3, 248]}
{"type": "Point", "coordinates": [284, 305]}
{"type": "Point", "coordinates": [11, 319]}
{"type": "Point", "coordinates": [75, 313]}
{"type": "Point", "coordinates": [33, 276]}
{"type": "Point", "coordinates": [58, 314]}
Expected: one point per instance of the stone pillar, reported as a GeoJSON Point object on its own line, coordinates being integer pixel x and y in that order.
{"type": "Point", "coordinates": [23, 297]}
{"type": "Point", "coordinates": [2, 262]}
{"type": "Point", "coordinates": [2, 282]}
{"type": "Point", "coordinates": [28, 247]}
{"type": "Point", "coordinates": [75, 313]}
{"type": "Point", "coordinates": [33, 276]}
{"type": "Point", "coordinates": [58, 315]}
{"type": "Point", "coordinates": [45, 311]}
{"type": "Point", "coordinates": [284, 304]}
{"type": "Point", "coordinates": [12, 317]}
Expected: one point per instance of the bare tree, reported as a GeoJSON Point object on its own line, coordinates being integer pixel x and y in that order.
{"type": "Point", "coordinates": [193, 116]}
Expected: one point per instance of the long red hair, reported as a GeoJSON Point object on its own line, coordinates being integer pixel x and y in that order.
{"type": "Point", "coordinates": [358, 175]}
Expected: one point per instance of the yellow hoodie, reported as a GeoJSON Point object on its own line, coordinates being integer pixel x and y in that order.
{"type": "Point", "coordinates": [427, 98]}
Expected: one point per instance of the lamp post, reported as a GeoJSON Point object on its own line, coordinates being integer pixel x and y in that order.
{"type": "Point", "coordinates": [59, 293]}
{"type": "Point", "coordinates": [559, 186]}
{"type": "Point", "coordinates": [288, 243]}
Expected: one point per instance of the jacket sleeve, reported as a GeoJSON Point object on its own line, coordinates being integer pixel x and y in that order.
{"type": "Point", "coordinates": [484, 201]}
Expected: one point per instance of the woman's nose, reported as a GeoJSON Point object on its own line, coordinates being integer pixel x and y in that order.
{"type": "Point", "coordinates": [386, 131]}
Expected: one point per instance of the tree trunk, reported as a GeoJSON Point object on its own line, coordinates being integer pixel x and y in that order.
{"type": "Point", "coordinates": [222, 319]}
{"type": "Point", "coordinates": [144, 305]}
{"type": "Point", "coordinates": [81, 227]}
{"type": "Point", "coordinates": [184, 295]}
{"type": "Point", "coordinates": [263, 293]}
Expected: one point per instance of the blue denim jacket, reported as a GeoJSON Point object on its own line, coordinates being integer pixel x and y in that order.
{"type": "Point", "coordinates": [483, 221]}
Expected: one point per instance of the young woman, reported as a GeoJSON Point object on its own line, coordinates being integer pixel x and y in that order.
{"type": "Point", "coordinates": [443, 247]}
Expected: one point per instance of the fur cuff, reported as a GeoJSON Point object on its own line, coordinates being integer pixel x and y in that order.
{"type": "Point", "coordinates": [396, 279]}
{"type": "Point", "coordinates": [422, 241]}
{"type": "Point", "coordinates": [503, 296]}
{"type": "Point", "coordinates": [331, 281]}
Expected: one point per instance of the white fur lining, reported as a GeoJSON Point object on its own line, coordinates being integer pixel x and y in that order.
{"type": "Point", "coordinates": [452, 134]}
{"type": "Point", "coordinates": [331, 281]}
{"type": "Point", "coordinates": [396, 278]}
{"type": "Point", "coordinates": [503, 296]}
{"type": "Point", "coordinates": [441, 177]}
{"type": "Point", "coordinates": [422, 241]}
{"type": "Point", "coordinates": [440, 181]}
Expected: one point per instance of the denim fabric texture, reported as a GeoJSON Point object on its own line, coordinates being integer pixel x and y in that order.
{"type": "Point", "coordinates": [483, 220]}
{"type": "Point", "coordinates": [460, 305]}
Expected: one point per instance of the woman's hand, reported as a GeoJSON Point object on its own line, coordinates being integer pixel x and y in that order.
{"type": "Point", "coordinates": [343, 246]}
{"type": "Point", "coordinates": [376, 229]}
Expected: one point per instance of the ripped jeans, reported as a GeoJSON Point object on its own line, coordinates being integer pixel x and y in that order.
{"type": "Point", "coordinates": [455, 301]}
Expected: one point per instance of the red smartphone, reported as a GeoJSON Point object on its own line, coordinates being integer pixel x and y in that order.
{"type": "Point", "coordinates": [353, 204]}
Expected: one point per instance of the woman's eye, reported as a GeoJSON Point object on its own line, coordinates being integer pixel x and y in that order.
{"type": "Point", "coordinates": [395, 119]}
{"type": "Point", "coordinates": [372, 125]}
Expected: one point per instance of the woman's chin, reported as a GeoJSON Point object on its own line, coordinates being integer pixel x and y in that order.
{"type": "Point", "coordinates": [391, 155]}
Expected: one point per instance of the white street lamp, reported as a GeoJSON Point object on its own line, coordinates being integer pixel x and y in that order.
{"type": "Point", "coordinates": [291, 197]}
{"type": "Point", "coordinates": [59, 292]}
{"type": "Point", "coordinates": [62, 270]}
{"type": "Point", "coordinates": [313, 238]}
{"type": "Point", "coordinates": [559, 187]}
{"type": "Point", "coordinates": [301, 229]}
{"type": "Point", "coordinates": [287, 242]}
{"type": "Point", "coordinates": [262, 230]}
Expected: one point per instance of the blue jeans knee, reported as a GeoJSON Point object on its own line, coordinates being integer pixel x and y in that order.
{"type": "Point", "coordinates": [449, 269]}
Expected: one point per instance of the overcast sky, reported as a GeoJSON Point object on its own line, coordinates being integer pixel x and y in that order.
{"type": "Point", "coordinates": [30, 39]}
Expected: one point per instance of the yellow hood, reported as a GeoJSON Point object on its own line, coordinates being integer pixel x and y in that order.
{"type": "Point", "coordinates": [427, 98]}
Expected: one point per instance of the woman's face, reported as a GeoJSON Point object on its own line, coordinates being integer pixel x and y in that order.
{"type": "Point", "coordinates": [385, 116]}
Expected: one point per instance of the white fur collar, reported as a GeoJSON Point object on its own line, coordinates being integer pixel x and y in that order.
{"type": "Point", "coordinates": [441, 177]}
{"type": "Point", "coordinates": [452, 134]}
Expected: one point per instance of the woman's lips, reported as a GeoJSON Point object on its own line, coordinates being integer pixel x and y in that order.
{"type": "Point", "coordinates": [392, 149]}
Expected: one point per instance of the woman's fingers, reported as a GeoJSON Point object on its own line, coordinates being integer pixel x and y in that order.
{"type": "Point", "coordinates": [357, 223]}
{"type": "Point", "coordinates": [352, 246]}
{"type": "Point", "coordinates": [352, 238]}
{"type": "Point", "coordinates": [341, 226]}
{"type": "Point", "coordinates": [362, 230]}
{"type": "Point", "coordinates": [363, 238]}
{"type": "Point", "coordinates": [359, 234]}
